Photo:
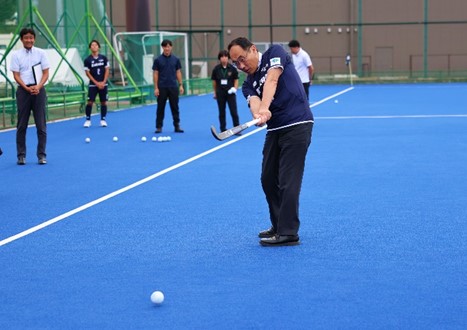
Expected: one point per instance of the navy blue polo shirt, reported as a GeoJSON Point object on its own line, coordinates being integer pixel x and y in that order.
{"type": "Point", "coordinates": [167, 67]}
{"type": "Point", "coordinates": [96, 67]}
{"type": "Point", "coordinates": [290, 105]}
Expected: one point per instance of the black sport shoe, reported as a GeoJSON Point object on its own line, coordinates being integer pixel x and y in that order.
{"type": "Point", "coordinates": [267, 233]}
{"type": "Point", "coordinates": [21, 160]}
{"type": "Point", "coordinates": [158, 130]}
{"type": "Point", "coordinates": [179, 130]}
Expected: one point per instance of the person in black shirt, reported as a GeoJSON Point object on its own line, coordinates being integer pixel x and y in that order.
{"type": "Point", "coordinates": [96, 67]}
{"type": "Point", "coordinates": [225, 83]}
{"type": "Point", "coordinates": [168, 84]}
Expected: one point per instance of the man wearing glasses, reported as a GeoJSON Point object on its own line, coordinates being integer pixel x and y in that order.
{"type": "Point", "coordinates": [276, 97]}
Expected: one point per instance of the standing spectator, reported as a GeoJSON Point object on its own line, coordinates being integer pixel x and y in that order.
{"type": "Point", "coordinates": [276, 97]}
{"type": "Point", "coordinates": [168, 84]}
{"type": "Point", "coordinates": [30, 67]}
{"type": "Point", "coordinates": [303, 65]}
{"type": "Point", "coordinates": [96, 67]}
{"type": "Point", "coordinates": [225, 83]}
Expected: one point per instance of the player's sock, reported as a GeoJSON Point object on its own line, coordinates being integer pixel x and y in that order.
{"type": "Point", "coordinates": [88, 112]}
{"type": "Point", "coordinates": [103, 111]}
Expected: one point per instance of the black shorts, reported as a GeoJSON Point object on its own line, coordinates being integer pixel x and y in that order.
{"type": "Point", "coordinates": [93, 91]}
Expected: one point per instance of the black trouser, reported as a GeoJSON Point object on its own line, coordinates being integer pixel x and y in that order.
{"type": "Point", "coordinates": [306, 87]}
{"type": "Point", "coordinates": [284, 154]}
{"type": "Point", "coordinates": [37, 103]}
{"type": "Point", "coordinates": [172, 95]}
{"type": "Point", "coordinates": [223, 98]}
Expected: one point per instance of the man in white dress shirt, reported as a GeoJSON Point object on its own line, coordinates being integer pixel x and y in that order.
{"type": "Point", "coordinates": [30, 67]}
{"type": "Point", "coordinates": [303, 64]}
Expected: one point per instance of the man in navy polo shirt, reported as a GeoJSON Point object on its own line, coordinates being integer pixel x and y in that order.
{"type": "Point", "coordinates": [276, 97]}
{"type": "Point", "coordinates": [168, 84]}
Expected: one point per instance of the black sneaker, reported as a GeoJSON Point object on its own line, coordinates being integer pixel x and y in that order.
{"type": "Point", "coordinates": [21, 160]}
{"type": "Point", "coordinates": [179, 130]}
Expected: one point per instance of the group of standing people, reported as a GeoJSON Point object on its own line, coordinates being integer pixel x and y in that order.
{"type": "Point", "coordinates": [276, 90]}
{"type": "Point", "coordinates": [30, 66]}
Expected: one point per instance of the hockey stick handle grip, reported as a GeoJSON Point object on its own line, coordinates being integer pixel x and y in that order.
{"type": "Point", "coordinates": [252, 122]}
{"type": "Point", "coordinates": [244, 126]}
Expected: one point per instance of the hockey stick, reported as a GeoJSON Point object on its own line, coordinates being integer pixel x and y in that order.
{"type": "Point", "coordinates": [234, 130]}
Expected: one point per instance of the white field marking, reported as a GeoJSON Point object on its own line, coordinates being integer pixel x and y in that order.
{"type": "Point", "coordinates": [140, 182]}
{"type": "Point", "coordinates": [392, 117]}
{"type": "Point", "coordinates": [331, 97]}
{"type": "Point", "coordinates": [115, 193]}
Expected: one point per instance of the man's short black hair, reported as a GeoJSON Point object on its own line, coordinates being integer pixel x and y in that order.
{"type": "Point", "coordinates": [97, 42]}
{"type": "Point", "coordinates": [294, 43]}
{"type": "Point", "coordinates": [25, 31]}
{"type": "Point", "coordinates": [166, 42]}
{"type": "Point", "coordinates": [223, 53]}
{"type": "Point", "coordinates": [240, 41]}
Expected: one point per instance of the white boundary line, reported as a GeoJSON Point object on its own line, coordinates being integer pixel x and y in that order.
{"type": "Point", "coordinates": [394, 116]}
{"type": "Point", "coordinates": [140, 182]}
{"type": "Point", "coordinates": [331, 97]}
{"type": "Point", "coordinates": [116, 193]}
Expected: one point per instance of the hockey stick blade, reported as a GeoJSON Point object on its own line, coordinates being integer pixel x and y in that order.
{"type": "Point", "coordinates": [234, 130]}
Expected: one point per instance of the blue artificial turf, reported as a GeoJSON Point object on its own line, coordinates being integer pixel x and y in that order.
{"type": "Point", "coordinates": [383, 221]}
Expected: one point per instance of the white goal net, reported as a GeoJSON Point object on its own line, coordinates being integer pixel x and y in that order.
{"type": "Point", "coordinates": [137, 51]}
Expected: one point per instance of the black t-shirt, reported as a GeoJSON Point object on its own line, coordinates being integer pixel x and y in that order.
{"type": "Point", "coordinates": [224, 77]}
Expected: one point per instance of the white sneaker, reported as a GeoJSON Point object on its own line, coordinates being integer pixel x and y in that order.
{"type": "Point", "coordinates": [87, 123]}
{"type": "Point", "coordinates": [103, 123]}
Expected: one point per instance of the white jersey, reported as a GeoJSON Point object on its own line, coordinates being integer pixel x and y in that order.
{"type": "Point", "coordinates": [302, 62]}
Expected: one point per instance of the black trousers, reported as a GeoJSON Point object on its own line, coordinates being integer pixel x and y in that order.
{"type": "Point", "coordinates": [25, 103]}
{"type": "Point", "coordinates": [306, 87]}
{"type": "Point", "coordinates": [284, 154]}
{"type": "Point", "coordinates": [172, 95]}
{"type": "Point", "coordinates": [223, 98]}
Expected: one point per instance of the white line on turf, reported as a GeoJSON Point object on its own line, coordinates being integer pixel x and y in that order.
{"type": "Point", "coordinates": [113, 194]}
{"type": "Point", "coordinates": [140, 182]}
{"type": "Point", "coordinates": [331, 97]}
{"type": "Point", "coordinates": [394, 116]}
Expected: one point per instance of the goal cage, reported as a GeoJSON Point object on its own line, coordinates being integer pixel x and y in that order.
{"type": "Point", "coordinates": [137, 51]}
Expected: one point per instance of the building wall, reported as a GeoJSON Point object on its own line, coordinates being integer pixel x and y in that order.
{"type": "Point", "coordinates": [383, 36]}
